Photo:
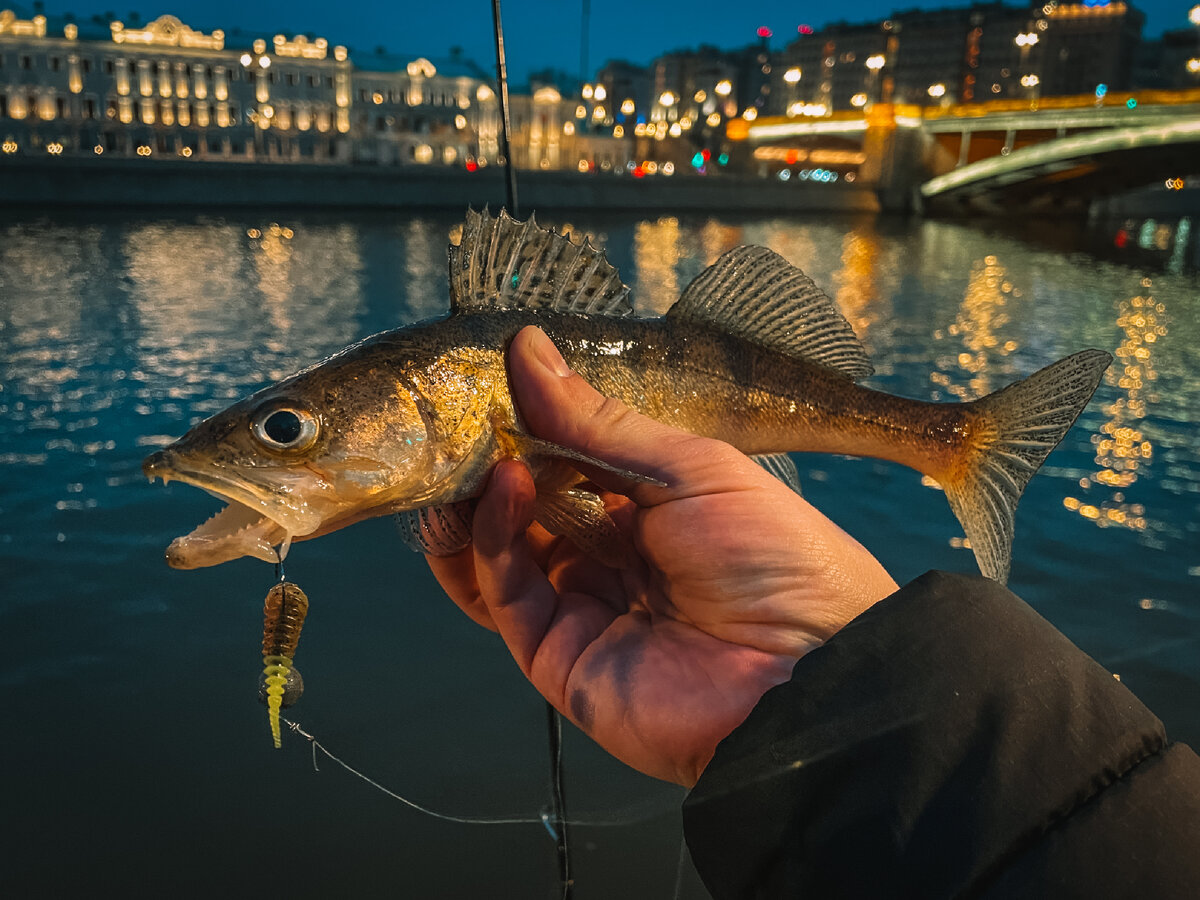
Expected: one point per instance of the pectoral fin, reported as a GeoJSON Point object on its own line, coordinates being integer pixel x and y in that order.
{"type": "Point", "coordinates": [523, 444]}
{"type": "Point", "coordinates": [437, 530]}
{"type": "Point", "coordinates": [581, 518]}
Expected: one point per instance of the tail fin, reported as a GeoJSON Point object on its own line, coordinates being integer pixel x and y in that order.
{"type": "Point", "coordinates": [1021, 423]}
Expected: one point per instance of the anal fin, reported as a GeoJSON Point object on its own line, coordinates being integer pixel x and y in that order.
{"type": "Point", "coordinates": [440, 530]}
{"type": "Point", "coordinates": [782, 467]}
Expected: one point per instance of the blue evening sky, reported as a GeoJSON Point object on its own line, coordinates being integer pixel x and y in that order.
{"type": "Point", "coordinates": [537, 34]}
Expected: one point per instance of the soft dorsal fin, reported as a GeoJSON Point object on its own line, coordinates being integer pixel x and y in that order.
{"type": "Point", "coordinates": [501, 263]}
{"type": "Point", "coordinates": [758, 295]}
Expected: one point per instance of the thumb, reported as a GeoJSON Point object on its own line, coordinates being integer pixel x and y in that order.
{"type": "Point", "coordinates": [558, 405]}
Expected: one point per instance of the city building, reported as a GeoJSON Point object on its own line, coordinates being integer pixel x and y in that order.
{"type": "Point", "coordinates": [163, 89]}
{"type": "Point", "coordinates": [167, 89]}
{"type": "Point", "coordinates": [1172, 61]}
{"type": "Point", "coordinates": [1088, 44]}
{"type": "Point", "coordinates": [986, 51]}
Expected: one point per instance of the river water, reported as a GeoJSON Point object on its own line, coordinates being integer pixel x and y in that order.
{"type": "Point", "coordinates": [136, 758]}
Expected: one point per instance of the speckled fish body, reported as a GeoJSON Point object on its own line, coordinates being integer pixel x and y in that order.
{"type": "Point", "coordinates": [411, 421]}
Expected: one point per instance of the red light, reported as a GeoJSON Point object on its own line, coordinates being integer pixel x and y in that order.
{"type": "Point", "coordinates": [706, 154]}
{"type": "Point", "coordinates": [639, 172]}
{"type": "Point", "coordinates": [1121, 239]}
{"type": "Point", "coordinates": [793, 157]}
{"type": "Point", "coordinates": [472, 165]}
{"type": "Point", "coordinates": [805, 29]}
{"type": "Point", "coordinates": [764, 31]}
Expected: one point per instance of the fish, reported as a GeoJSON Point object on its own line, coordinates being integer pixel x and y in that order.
{"type": "Point", "coordinates": [411, 421]}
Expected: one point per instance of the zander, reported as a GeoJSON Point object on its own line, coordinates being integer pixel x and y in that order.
{"type": "Point", "coordinates": [753, 353]}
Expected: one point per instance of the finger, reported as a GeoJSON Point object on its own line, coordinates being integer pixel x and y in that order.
{"type": "Point", "coordinates": [560, 406]}
{"type": "Point", "coordinates": [519, 597]}
{"type": "Point", "coordinates": [545, 631]}
{"type": "Point", "coordinates": [456, 575]}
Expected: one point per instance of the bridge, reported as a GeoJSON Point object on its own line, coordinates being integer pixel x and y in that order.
{"type": "Point", "coordinates": [1050, 154]}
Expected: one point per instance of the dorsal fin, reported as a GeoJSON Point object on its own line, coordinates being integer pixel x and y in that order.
{"type": "Point", "coordinates": [758, 295]}
{"type": "Point", "coordinates": [501, 263]}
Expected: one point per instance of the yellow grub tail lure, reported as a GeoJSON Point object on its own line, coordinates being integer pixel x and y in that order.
{"type": "Point", "coordinates": [281, 685]}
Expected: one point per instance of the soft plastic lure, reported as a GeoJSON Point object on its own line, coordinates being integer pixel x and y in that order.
{"type": "Point", "coordinates": [280, 684]}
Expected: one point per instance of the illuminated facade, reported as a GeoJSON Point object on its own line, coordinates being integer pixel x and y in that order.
{"type": "Point", "coordinates": [165, 90]}
{"type": "Point", "coordinates": [987, 51]}
{"type": "Point", "coordinates": [419, 112]}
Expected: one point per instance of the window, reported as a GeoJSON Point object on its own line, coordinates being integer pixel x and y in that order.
{"type": "Point", "coordinates": [86, 62]}
{"type": "Point", "coordinates": [3, 106]}
{"type": "Point", "coordinates": [26, 61]}
{"type": "Point", "coordinates": [89, 108]}
{"type": "Point", "coordinates": [312, 80]}
{"type": "Point", "coordinates": [55, 63]}
{"type": "Point", "coordinates": [60, 106]}
{"type": "Point", "coordinates": [108, 67]}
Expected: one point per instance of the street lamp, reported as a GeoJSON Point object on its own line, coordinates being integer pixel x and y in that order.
{"type": "Point", "coordinates": [1194, 15]}
{"type": "Point", "coordinates": [792, 75]}
{"type": "Point", "coordinates": [937, 91]}
{"type": "Point", "coordinates": [874, 64]}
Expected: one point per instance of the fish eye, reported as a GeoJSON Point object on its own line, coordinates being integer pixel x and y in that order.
{"type": "Point", "coordinates": [286, 428]}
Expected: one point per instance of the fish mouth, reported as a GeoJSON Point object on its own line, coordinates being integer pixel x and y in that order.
{"type": "Point", "coordinates": [248, 526]}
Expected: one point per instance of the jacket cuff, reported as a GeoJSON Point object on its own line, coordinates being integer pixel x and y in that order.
{"type": "Point", "coordinates": [928, 742]}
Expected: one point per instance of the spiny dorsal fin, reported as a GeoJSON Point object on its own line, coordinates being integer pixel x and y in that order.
{"type": "Point", "coordinates": [501, 263]}
{"type": "Point", "coordinates": [758, 295]}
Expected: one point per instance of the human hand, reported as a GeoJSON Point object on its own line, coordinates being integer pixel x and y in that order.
{"type": "Point", "coordinates": [736, 578]}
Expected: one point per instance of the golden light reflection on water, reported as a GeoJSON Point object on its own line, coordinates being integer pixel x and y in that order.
{"type": "Point", "coordinates": [1122, 449]}
{"type": "Point", "coordinates": [717, 238]}
{"type": "Point", "coordinates": [857, 280]}
{"type": "Point", "coordinates": [272, 298]}
{"type": "Point", "coordinates": [271, 263]}
{"type": "Point", "coordinates": [980, 327]}
{"type": "Point", "coordinates": [656, 255]}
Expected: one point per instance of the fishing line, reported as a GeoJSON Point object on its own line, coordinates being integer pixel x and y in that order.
{"type": "Point", "coordinates": [648, 814]}
{"type": "Point", "coordinates": [558, 809]}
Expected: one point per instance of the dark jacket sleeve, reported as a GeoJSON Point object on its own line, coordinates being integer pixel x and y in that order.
{"type": "Point", "coordinates": [949, 742]}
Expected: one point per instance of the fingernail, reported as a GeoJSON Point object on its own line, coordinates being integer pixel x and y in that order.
{"type": "Point", "coordinates": [547, 354]}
